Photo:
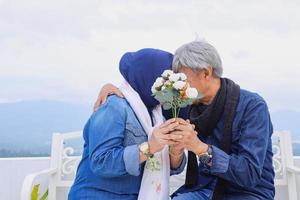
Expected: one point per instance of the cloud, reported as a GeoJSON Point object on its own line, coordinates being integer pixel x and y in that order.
{"type": "Point", "coordinates": [66, 50]}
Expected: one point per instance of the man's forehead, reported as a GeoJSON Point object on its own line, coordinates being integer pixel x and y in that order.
{"type": "Point", "coordinates": [183, 68]}
{"type": "Point", "coordinates": [186, 70]}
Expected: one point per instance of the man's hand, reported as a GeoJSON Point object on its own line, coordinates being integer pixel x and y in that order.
{"type": "Point", "coordinates": [106, 90]}
{"type": "Point", "coordinates": [189, 139]}
{"type": "Point", "coordinates": [161, 136]}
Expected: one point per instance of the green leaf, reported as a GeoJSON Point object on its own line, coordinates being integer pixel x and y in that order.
{"type": "Point", "coordinates": [167, 106]}
{"type": "Point", "coordinates": [153, 164]}
{"type": "Point", "coordinates": [183, 104]}
{"type": "Point", "coordinates": [164, 96]}
{"type": "Point", "coordinates": [168, 95]}
{"type": "Point", "coordinates": [190, 101]}
{"type": "Point", "coordinates": [45, 195]}
{"type": "Point", "coordinates": [159, 96]}
{"type": "Point", "coordinates": [35, 192]}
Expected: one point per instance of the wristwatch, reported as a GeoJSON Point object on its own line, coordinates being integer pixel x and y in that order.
{"type": "Point", "coordinates": [145, 149]}
{"type": "Point", "coordinates": [206, 157]}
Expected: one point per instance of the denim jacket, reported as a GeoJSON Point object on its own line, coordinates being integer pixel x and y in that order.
{"type": "Point", "coordinates": [110, 166]}
{"type": "Point", "coordinates": [248, 169]}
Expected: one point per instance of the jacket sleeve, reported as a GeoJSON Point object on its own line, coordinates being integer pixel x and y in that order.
{"type": "Point", "coordinates": [245, 167]}
{"type": "Point", "coordinates": [106, 136]}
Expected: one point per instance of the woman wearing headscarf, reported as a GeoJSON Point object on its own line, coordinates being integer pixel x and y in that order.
{"type": "Point", "coordinates": [125, 152]}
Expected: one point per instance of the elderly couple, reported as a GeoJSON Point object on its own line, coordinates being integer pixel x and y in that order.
{"type": "Point", "coordinates": [132, 146]}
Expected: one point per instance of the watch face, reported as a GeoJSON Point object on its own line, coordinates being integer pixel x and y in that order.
{"type": "Point", "coordinates": [144, 147]}
{"type": "Point", "coordinates": [204, 159]}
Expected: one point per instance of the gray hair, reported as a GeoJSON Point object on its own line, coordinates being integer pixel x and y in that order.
{"type": "Point", "coordinates": [198, 55]}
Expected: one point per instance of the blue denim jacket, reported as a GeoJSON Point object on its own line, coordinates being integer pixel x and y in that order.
{"type": "Point", "coordinates": [110, 167]}
{"type": "Point", "coordinates": [248, 169]}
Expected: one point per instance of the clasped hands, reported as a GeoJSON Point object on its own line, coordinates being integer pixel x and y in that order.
{"type": "Point", "coordinates": [179, 134]}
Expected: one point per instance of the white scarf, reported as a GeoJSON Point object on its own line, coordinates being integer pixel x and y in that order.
{"type": "Point", "coordinates": [155, 182]}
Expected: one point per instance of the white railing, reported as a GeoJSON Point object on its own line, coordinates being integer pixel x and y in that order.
{"type": "Point", "coordinates": [62, 156]}
{"type": "Point", "coordinates": [13, 170]}
{"type": "Point", "coordinates": [12, 175]}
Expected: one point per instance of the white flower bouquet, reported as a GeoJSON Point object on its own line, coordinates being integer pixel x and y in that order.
{"type": "Point", "coordinates": [174, 92]}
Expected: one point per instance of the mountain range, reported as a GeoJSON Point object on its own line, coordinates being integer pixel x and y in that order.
{"type": "Point", "coordinates": [26, 127]}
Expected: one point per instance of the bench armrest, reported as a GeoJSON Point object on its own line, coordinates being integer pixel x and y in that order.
{"type": "Point", "coordinates": [293, 169]}
{"type": "Point", "coordinates": [38, 178]}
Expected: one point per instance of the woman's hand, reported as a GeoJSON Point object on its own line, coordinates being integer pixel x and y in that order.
{"type": "Point", "coordinates": [161, 137]}
{"type": "Point", "coordinates": [178, 148]}
{"type": "Point", "coordinates": [106, 90]}
{"type": "Point", "coordinates": [189, 139]}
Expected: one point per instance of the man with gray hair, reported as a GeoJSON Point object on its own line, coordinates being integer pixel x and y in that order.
{"type": "Point", "coordinates": [229, 132]}
{"type": "Point", "coordinates": [232, 138]}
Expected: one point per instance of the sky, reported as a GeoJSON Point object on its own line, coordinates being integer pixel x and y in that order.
{"type": "Point", "coordinates": [66, 50]}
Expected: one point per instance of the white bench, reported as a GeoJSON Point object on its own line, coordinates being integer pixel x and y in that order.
{"type": "Point", "coordinates": [55, 181]}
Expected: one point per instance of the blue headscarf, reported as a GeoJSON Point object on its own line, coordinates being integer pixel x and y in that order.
{"type": "Point", "coordinates": [141, 68]}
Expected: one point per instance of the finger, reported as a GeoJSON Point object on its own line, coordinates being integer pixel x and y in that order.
{"type": "Point", "coordinates": [183, 133]}
{"type": "Point", "coordinates": [189, 122]}
{"type": "Point", "coordinates": [103, 99]}
{"type": "Point", "coordinates": [169, 128]}
{"type": "Point", "coordinates": [182, 121]}
{"type": "Point", "coordinates": [184, 127]}
{"type": "Point", "coordinates": [169, 142]}
{"type": "Point", "coordinates": [171, 137]}
{"type": "Point", "coordinates": [168, 122]}
{"type": "Point", "coordinates": [119, 93]}
{"type": "Point", "coordinates": [175, 137]}
{"type": "Point", "coordinates": [177, 133]}
{"type": "Point", "coordinates": [96, 105]}
{"type": "Point", "coordinates": [181, 140]}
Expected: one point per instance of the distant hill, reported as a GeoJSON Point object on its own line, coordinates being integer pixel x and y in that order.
{"type": "Point", "coordinates": [26, 127]}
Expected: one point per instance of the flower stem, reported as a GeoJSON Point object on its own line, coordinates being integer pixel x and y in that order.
{"type": "Point", "coordinates": [172, 111]}
{"type": "Point", "coordinates": [178, 112]}
{"type": "Point", "coordinates": [175, 112]}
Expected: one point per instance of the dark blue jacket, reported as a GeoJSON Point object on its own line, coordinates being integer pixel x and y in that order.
{"type": "Point", "coordinates": [248, 169]}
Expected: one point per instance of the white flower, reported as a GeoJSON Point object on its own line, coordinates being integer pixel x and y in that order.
{"type": "Point", "coordinates": [182, 76]}
{"type": "Point", "coordinates": [174, 77]}
{"type": "Point", "coordinates": [159, 82]}
{"type": "Point", "coordinates": [191, 93]}
{"type": "Point", "coordinates": [167, 73]}
{"type": "Point", "coordinates": [153, 89]}
{"type": "Point", "coordinates": [168, 83]}
{"type": "Point", "coordinates": [163, 87]}
{"type": "Point", "coordinates": [178, 85]}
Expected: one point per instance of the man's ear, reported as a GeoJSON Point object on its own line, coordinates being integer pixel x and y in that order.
{"type": "Point", "coordinates": [208, 73]}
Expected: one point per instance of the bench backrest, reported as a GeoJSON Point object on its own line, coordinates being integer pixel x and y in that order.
{"type": "Point", "coordinates": [66, 158]}
{"type": "Point", "coordinates": [66, 154]}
